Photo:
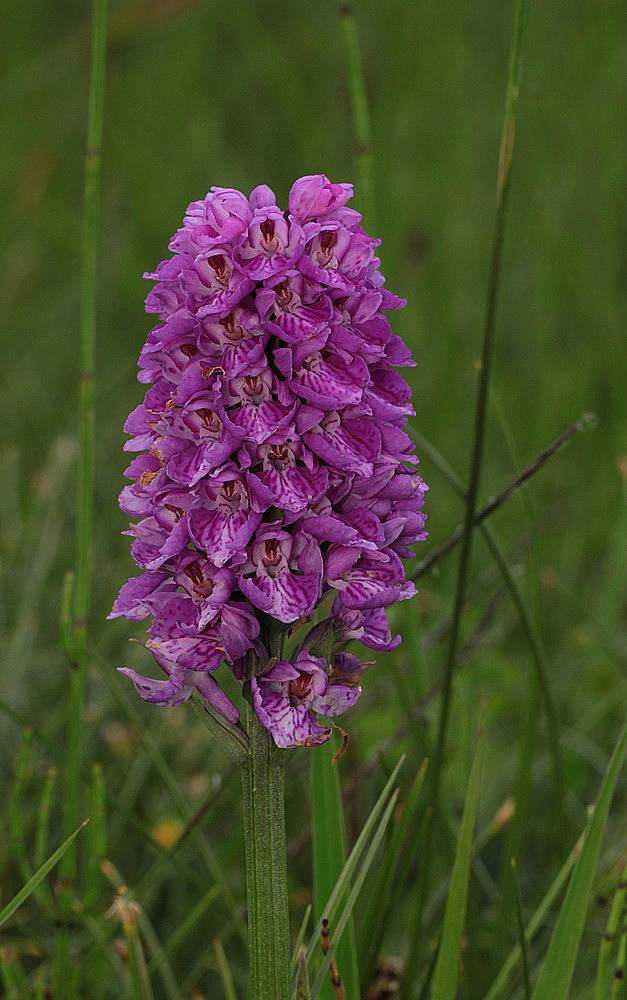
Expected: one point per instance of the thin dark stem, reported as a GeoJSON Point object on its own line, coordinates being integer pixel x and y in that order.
{"type": "Point", "coordinates": [87, 351]}
{"type": "Point", "coordinates": [502, 197]}
{"type": "Point", "coordinates": [497, 501]}
{"type": "Point", "coordinates": [522, 940]}
{"type": "Point", "coordinates": [526, 621]}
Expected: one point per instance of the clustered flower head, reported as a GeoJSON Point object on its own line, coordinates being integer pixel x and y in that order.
{"type": "Point", "coordinates": [273, 466]}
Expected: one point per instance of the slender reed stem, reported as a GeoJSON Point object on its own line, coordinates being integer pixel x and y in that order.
{"type": "Point", "coordinates": [362, 130]}
{"type": "Point", "coordinates": [522, 940]}
{"type": "Point", "coordinates": [526, 620]}
{"type": "Point", "coordinates": [492, 505]}
{"type": "Point", "coordinates": [87, 351]}
{"type": "Point", "coordinates": [263, 777]}
{"type": "Point", "coordinates": [502, 198]}
{"type": "Point", "coordinates": [608, 941]}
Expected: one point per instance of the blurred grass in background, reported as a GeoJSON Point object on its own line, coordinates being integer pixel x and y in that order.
{"type": "Point", "coordinates": [201, 94]}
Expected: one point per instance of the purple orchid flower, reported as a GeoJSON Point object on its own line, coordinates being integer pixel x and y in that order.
{"type": "Point", "coordinates": [179, 687]}
{"type": "Point", "coordinates": [283, 573]}
{"type": "Point", "coordinates": [258, 414]}
{"type": "Point", "coordinates": [272, 244]}
{"type": "Point", "coordinates": [176, 636]}
{"type": "Point", "coordinates": [370, 628]}
{"type": "Point", "coordinates": [167, 296]}
{"type": "Point", "coordinates": [157, 542]}
{"type": "Point", "coordinates": [324, 378]}
{"type": "Point", "coordinates": [367, 580]}
{"type": "Point", "coordinates": [236, 342]}
{"type": "Point", "coordinates": [219, 218]}
{"type": "Point", "coordinates": [207, 439]}
{"type": "Point", "coordinates": [273, 465]}
{"type": "Point", "coordinates": [288, 477]}
{"type": "Point", "coordinates": [315, 197]}
{"type": "Point", "coordinates": [346, 439]}
{"type": "Point", "coordinates": [212, 284]}
{"type": "Point", "coordinates": [222, 522]}
{"type": "Point", "coordinates": [335, 256]}
{"type": "Point", "coordinates": [290, 696]}
{"type": "Point", "coordinates": [207, 586]}
{"type": "Point", "coordinates": [137, 597]}
{"type": "Point", "coordinates": [293, 308]}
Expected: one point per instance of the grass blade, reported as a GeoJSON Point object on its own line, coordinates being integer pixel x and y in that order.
{"type": "Point", "coordinates": [535, 924]}
{"type": "Point", "coordinates": [447, 965]}
{"type": "Point", "coordinates": [515, 837]}
{"type": "Point", "coordinates": [7, 912]}
{"type": "Point", "coordinates": [341, 886]}
{"type": "Point", "coordinates": [97, 837]}
{"type": "Point", "coordinates": [608, 943]}
{"type": "Point", "coordinates": [43, 817]}
{"type": "Point", "coordinates": [225, 971]}
{"type": "Point", "coordinates": [302, 984]}
{"type": "Point", "coordinates": [299, 940]}
{"type": "Point", "coordinates": [186, 926]}
{"type": "Point", "coordinates": [16, 823]}
{"type": "Point", "coordinates": [101, 937]}
{"type": "Point", "coordinates": [391, 876]}
{"type": "Point", "coordinates": [619, 986]}
{"type": "Point", "coordinates": [521, 932]}
{"type": "Point", "coordinates": [329, 857]}
{"type": "Point", "coordinates": [558, 967]}
{"type": "Point", "coordinates": [323, 971]}
{"type": "Point", "coordinates": [39, 989]}
{"type": "Point", "coordinates": [128, 909]}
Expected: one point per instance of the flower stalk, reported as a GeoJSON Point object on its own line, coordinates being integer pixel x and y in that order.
{"type": "Point", "coordinates": [263, 785]}
{"type": "Point", "coordinates": [274, 484]}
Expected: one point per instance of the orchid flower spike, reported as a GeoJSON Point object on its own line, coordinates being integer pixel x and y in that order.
{"type": "Point", "coordinates": [273, 467]}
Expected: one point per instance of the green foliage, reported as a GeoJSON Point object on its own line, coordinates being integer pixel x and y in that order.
{"type": "Point", "coordinates": [35, 881]}
{"type": "Point", "coordinates": [446, 972]}
{"type": "Point", "coordinates": [329, 857]}
{"type": "Point", "coordinates": [302, 983]}
{"type": "Point", "coordinates": [559, 965]}
{"type": "Point", "coordinates": [611, 942]}
{"type": "Point", "coordinates": [346, 910]}
{"type": "Point", "coordinates": [388, 881]}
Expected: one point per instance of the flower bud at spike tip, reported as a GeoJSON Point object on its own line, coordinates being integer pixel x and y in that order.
{"type": "Point", "coordinates": [272, 466]}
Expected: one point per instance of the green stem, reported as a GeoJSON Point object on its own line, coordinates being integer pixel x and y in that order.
{"type": "Point", "coordinates": [476, 462]}
{"type": "Point", "coordinates": [263, 776]}
{"type": "Point", "coordinates": [87, 352]}
{"type": "Point", "coordinates": [526, 620]}
{"type": "Point", "coordinates": [362, 129]}
{"type": "Point", "coordinates": [608, 941]}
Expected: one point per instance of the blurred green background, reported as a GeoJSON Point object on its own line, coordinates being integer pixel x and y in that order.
{"type": "Point", "coordinates": [236, 95]}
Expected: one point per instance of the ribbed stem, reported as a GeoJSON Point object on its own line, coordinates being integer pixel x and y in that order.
{"type": "Point", "coordinates": [266, 866]}
{"type": "Point", "coordinates": [86, 422]}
